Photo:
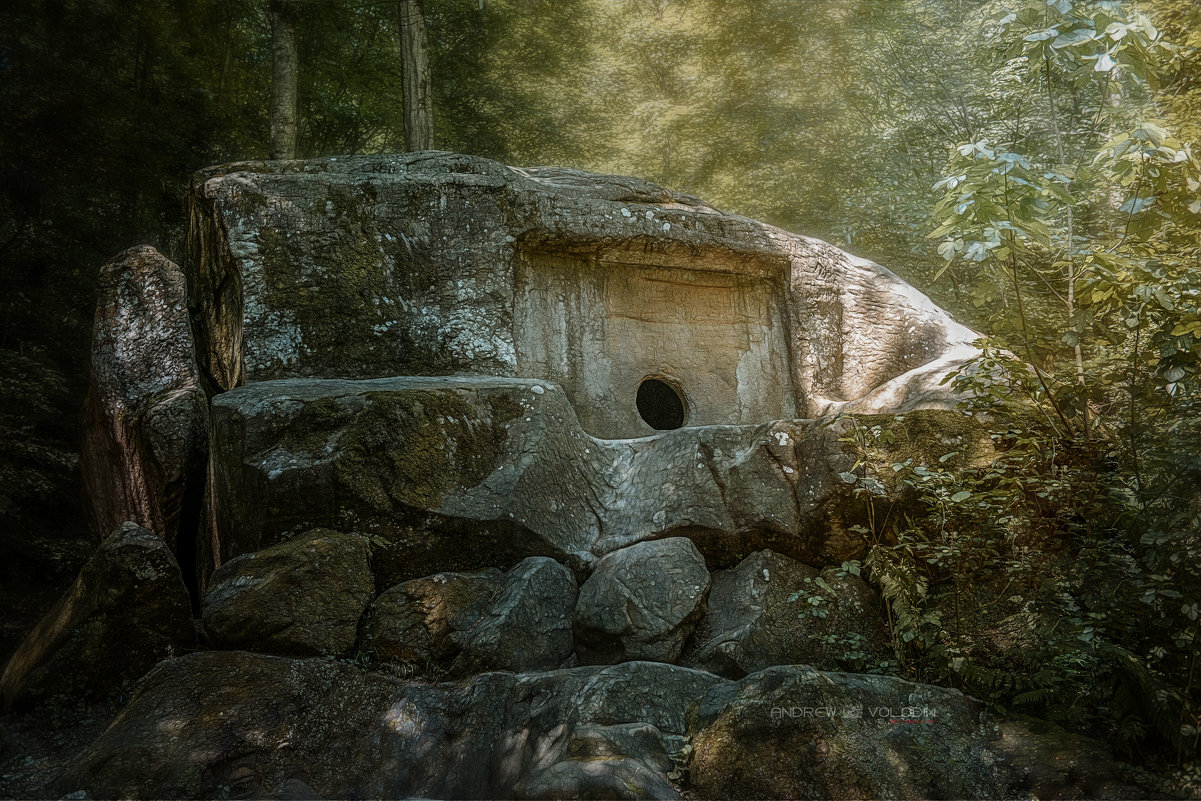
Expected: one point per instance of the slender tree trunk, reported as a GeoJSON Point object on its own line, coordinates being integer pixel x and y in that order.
{"type": "Point", "coordinates": [415, 72]}
{"type": "Point", "coordinates": [284, 67]}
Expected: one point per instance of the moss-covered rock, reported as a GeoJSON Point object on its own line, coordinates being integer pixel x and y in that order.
{"type": "Point", "coordinates": [127, 610]}
{"type": "Point", "coordinates": [414, 625]}
{"type": "Point", "coordinates": [304, 596]}
{"type": "Point", "coordinates": [432, 264]}
{"type": "Point", "coordinates": [794, 732]}
{"type": "Point", "coordinates": [772, 610]}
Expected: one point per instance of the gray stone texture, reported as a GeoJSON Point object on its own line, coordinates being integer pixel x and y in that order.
{"type": "Point", "coordinates": [304, 596]}
{"type": "Point", "coordinates": [527, 626]}
{"type": "Point", "coordinates": [127, 610]}
{"type": "Point", "coordinates": [462, 473]}
{"type": "Point", "coordinates": [754, 621]}
{"type": "Point", "coordinates": [641, 602]}
{"type": "Point", "coordinates": [361, 733]}
{"type": "Point", "coordinates": [145, 441]}
{"type": "Point", "coordinates": [433, 263]}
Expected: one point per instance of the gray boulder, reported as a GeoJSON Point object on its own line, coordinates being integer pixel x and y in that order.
{"type": "Point", "coordinates": [450, 263]}
{"type": "Point", "coordinates": [788, 732]}
{"type": "Point", "coordinates": [303, 596]}
{"type": "Point", "coordinates": [363, 733]}
{"type": "Point", "coordinates": [793, 732]}
{"type": "Point", "coordinates": [527, 626]}
{"type": "Point", "coordinates": [599, 778]}
{"type": "Point", "coordinates": [145, 444]}
{"type": "Point", "coordinates": [641, 602]}
{"type": "Point", "coordinates": [772, 610]}
{"type": "Point", "coordinates": [127, 610]}
{"type": "Point", "coordinates": [415, 624]}
{"type": "Point", "coordinates": [462, 473]}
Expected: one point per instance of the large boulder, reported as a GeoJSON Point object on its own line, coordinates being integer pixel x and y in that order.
{"type": "Point", "coordinates": [527, 626]}
{"type": "Point", "coordinates": [304, 596]}
{"type": "Point", "coordinates": [127, 610]}
{"type": "Point", "coordinates": [324, 727]}
{"type": "Point", "coordinates": [415, 624]}
{"type": "Point", "coordinates": [462, 473]}
{"type": "Point", "coordinates": [772, 610]}
{"type": "Point", "coordinates": [352, 733]}
{"type": "Point", "coordinates": [641, 602]}
{"type": "Point", "coordinates": [145, 445]}
{"type": "Point", "coordinates": [793, 732]}
{"type": "Point", "coordinates": [600, 778]}
{"type": "Point", "coordinates": [436, 263]}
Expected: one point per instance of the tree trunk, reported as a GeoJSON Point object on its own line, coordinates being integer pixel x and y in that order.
{"type": "Point", "coordinates": [283, 79]}
{"type": "Point", "coordinates": [415, 72]}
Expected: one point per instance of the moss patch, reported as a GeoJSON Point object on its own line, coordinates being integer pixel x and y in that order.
{"type": "Point", "coordinates": [926, 436]}
{"type": "Point", "coordinates": [412, 448]}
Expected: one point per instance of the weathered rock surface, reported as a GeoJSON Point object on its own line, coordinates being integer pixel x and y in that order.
{"type": "Point", "coordinates": [415, 623]}
{"type": "Point", "coordinates": [345, 732]}
{"type": "Point", "coordinates": [754, 621]}
{"type": "Point", "coordinates": [528, 625]}
{"type": "Point", "coordinates": [145, 441]}
{"type": "Point", "coordinates": [599, 778]}
{"type": "Point", "coordinates": [432, 263]}
{"type": "Point", "coordinates": [127, 609]}
{"type": "Point", "coordinates": [640, 692]}
{"type": "Point", "coordinates": [793, 732]}
{"type": "Point", "coordinates": [636, 740]}
{"type": "Point", "coordinates": [356, 733]}
{"type": "Point", "coordinates": [465, 473]}
{"type": "Point", "coordinates": [641, 602]}
{"type": "Point", "coordinates": [304, 596]}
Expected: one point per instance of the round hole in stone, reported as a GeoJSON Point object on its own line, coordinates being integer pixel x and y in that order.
{"type": "Point", "coordinates": [660, 404]}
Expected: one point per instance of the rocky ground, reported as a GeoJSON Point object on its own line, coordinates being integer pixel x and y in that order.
{"type": "Point", "coordinates": [651, 678]}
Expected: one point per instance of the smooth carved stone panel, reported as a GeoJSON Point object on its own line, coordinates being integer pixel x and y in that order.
{"type": "Point", "coordinates": [718, 339]}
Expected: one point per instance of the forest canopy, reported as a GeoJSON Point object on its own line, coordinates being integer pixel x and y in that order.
{"type": "Point", "coordinates": [1033, 165]}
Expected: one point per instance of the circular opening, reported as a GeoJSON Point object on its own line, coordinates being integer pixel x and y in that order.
{"type": "Point", "coordinates": [660, 404]}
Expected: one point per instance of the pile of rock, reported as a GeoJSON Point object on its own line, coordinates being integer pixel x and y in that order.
{"type": "Point", "coordinates": [653, 601]}
{"type": "Point", "coordinates": [548, 688]}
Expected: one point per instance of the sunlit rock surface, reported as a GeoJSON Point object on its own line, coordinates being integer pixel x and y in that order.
{"type": "Point", "coordinates": [433, 263]}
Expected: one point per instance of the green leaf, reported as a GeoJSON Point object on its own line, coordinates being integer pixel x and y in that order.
{"type": "Point", "coordinates": [1073, 38]}
{"type": "Point", "coordinates": [1135, 205]}
{"type": "Point", "coordinates": [1104, 63]}
{"type": "Point", "coordinates": [961, 496]}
